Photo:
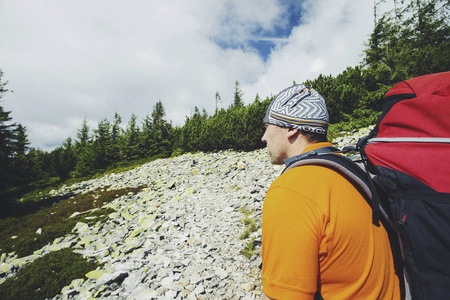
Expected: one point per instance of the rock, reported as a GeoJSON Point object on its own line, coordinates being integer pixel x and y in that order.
{"type": "Point", "coordinates": [248, 287]}
{"type": "Point", "coordinates": [110, 278]}
{"type": "Point", "coordinates": [199, 290]}
{"type": "Point", "coordinates": [96, 274]}
{"type": "Point", "coordinates": [132, 280]}
{"type": "Point", "coordinates": [229, 209]}
{"type": "Point", "coordinates": [5, 268]}
{"type": "Point", "coordinates": [221, 273]}
{"type": "Point", "coordinates": [145, 294]}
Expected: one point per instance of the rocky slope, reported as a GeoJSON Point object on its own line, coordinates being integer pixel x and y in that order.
{"type": "Point", "coordinates": [180, 237]}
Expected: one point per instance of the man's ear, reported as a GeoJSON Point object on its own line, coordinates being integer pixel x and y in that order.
{"type": "Point", "coordinates": [292, 132]}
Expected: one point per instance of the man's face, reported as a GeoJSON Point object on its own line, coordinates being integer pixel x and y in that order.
{"type": "Point", "coordinates": [276, 139]}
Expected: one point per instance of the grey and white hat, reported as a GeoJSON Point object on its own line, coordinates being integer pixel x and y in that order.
{"type": "Point", "coordinates": [300, 107]}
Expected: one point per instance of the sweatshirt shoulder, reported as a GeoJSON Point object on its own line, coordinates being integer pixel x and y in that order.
{"type": "Point", "coordinates": [308, 176]}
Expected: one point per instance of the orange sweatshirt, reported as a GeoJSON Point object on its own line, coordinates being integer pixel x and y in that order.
{"type": "Point", "coordinates": [317, 229]}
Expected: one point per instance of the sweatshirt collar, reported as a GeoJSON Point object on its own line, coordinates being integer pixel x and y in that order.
{"type": "Point", "coordinates": [310, 148]}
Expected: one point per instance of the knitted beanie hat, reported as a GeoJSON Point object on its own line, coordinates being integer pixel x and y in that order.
{"type": "Point", "coordinates": [300, 107]}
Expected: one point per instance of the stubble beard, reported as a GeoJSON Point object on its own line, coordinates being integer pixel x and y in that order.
{"type": "Point", "coordinates": [275, 160]}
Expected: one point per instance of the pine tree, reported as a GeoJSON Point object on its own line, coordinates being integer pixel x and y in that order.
{"type": "Point", "coordinates": [161, 131]}
{"type": "Point", "coordinates": [407, 42]}
{"type": "Point", "coordinates": [102, 144]}
{"type": "Point", "coordinates": [84, 152]}
{"type": "Point", "coordinates": [63, 159]}
{"type": "Point", "coordinates": [6, 139]}
{"type": "Point", "coordinates": [218, 100]}
{"type": "Point", "coordinates": [116, 151]}
{"type": "Point", "coordinates": [83, 133]}
{"type": "Point", "coordinates": [21, 140]}
{"type": "Point", "coordinates": [132, 139]}
{"type": "Point", "coordinates": [237, 101]}
{"type": "Point", "coordinates": [146, 138]}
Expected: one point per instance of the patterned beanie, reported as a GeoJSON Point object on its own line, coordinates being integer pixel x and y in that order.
{"type": "Point", "coordinates": [300, 107]}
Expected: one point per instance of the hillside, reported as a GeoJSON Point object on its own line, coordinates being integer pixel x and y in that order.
{"type": "Point", "coordinates": [193, 233]}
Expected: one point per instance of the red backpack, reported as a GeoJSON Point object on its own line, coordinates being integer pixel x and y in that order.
{"type": "Point", "coordinates": [407, 181]}
{"type": "Point", "coordinates": [409, 153]}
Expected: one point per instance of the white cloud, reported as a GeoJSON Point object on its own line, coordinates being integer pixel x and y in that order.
{"type": "Point", "coordinates": [71, 60]}
{"type": "Point", "coordinates": [329, 39]}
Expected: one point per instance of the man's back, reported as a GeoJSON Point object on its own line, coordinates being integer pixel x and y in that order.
{"type": "Point", "coordinates": [318, 228]}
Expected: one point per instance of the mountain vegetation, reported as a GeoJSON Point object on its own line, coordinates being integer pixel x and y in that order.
{"type": "Point", "coordinates": [407, 42]}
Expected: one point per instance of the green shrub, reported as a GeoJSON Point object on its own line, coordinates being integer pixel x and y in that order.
{"type": "Point", "coordinates": [46, 276]}
{"type": "Point", "coordinates": [177, 152]}
{"type": "Point", "coordinates": [361, 118]}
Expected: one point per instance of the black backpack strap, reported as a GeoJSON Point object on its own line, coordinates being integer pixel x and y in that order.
{"type": "Point", "coordinates": [344, 166]}
{"type": "Point", "coordinates": [376, 198]}
{"type": "Point", "coordinates": [321, 151]}
{"type": "Point", "coordinates": [360, 179]}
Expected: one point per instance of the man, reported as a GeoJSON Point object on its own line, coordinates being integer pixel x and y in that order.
{"type": "Point", "coordinates": [317, 229]}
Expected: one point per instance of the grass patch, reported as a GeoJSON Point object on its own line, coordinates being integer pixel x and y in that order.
{"type": "Point", "coordinates": [54, 221]}
{"type": "Point", "coordinates": [235, 187]}
{"type": "Point", "coordinates": [250, 227]}
{"type": "Point", "coordinates": [46, 276]}
{"type": "Point", "coordinates": [21, 200]}
{"type": "Point", "coordinates": [246, 211]}
{"type": "Point", "coordinates": [250, 249]}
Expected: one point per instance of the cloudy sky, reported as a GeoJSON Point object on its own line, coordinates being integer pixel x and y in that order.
{"type": "Point", "coordinates": [70, 60]}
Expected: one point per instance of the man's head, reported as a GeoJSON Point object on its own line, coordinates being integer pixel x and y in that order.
{"type": "Point", "coordinates": [296, 118]}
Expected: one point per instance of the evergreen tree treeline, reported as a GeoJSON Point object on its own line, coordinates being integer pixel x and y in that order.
{"type": "Point", "coordinates": [406, 42]}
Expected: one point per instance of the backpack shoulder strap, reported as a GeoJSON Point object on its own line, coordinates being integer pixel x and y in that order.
{"type": "Point", "coordinates": [319, 151]}
{"type": "Point", "coordinates": [359, 178]}
{"type": "Point", "coordinates": [341, 164]}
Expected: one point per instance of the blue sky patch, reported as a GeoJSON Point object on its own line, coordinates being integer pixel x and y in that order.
{"type": "Point", "coordinates": [263, 40]}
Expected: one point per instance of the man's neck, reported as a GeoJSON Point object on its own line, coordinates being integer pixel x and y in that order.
{"type": "Point", "coordinates": [299, 146]}
{"type": "Point", "coordinates": [312, 149]}
{"type": "Point", "coordinates": [305, 146]}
